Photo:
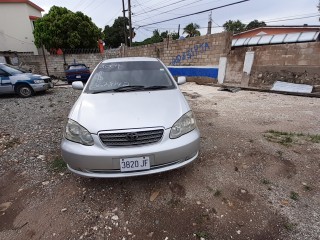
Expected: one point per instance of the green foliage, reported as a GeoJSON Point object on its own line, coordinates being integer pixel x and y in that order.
{"type": "Point", "coordinates": [157, 37]}
{"type": "Point", "coordinates": [62, 28]}
{"type": "Point", "coordinates": [192, 30]}
{"type": "Point", "coordinates": [58, 165]}
{"type": "Point", "coordinates": [294, 196]}
{"type": "Point", "coordinates": [237, 26]}
{"type": "Point", "coordinates": [255, 24]}
{"type": "Point", "coordinates": [289, 138]}
{"type": "Point", "coordinates": [114, 35]}
{"type": "Point", "coordinates": [234, 26]}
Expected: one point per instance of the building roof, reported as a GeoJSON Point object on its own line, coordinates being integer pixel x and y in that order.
{"type": "Point", "coordinates": [23, 1]}
{"type": "Point", "coordinates": [271, 30]}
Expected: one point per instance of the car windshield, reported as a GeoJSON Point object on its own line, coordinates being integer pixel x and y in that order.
{"type": "Point", "coordinates": [11, 69]}
{"type": "Point", "coordinates": [129, 76]}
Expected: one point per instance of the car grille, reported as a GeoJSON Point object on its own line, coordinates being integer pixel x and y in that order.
{"type": "Point", "coordinates": [131, 138]}
{"type": "Point", "coordinates": [47, 80]}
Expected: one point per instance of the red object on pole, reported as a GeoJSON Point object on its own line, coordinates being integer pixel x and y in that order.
{"type": "Point", "coordinates": [101, 46]}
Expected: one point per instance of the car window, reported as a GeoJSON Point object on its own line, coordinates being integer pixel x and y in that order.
{"type": "Point", "coordinates": [76, 67]}
{"type": "Point", "coordinates": [3, 73]}
{"type": "Point", "coordinates": [11, 70]}
{"type": "Point", "coordinates": [113, 75]}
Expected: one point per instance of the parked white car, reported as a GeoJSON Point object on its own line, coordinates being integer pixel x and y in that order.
{"type": "Point", "coordinates": [131, 119]}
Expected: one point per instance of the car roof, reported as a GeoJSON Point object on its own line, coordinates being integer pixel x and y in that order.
{"type": "Point", "coordinates": [131, 59]}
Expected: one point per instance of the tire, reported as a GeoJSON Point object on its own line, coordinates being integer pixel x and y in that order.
{"type": "Point", "coordinates": [24, 91]}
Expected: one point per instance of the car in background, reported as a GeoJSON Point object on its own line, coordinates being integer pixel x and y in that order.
{"type": "Point", "coordinates": [77, 72]}
{"type": "Point", "coordinates": [130, 120]}
{"type": "Point", "coordinates": [21, 82]}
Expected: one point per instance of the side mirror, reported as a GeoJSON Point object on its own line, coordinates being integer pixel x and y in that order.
{"type": "Point", "coordinates": [78, 85]}
{"type": "Point", "coordinates": [182, 80]}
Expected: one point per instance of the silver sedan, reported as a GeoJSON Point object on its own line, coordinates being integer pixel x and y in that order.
{"type": "Point", "coordinates": [131, 119]}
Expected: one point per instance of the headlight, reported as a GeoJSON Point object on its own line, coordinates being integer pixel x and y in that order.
{"type": "Point", "coordinates": [184, 125]}
{"type": "Point", "coordinates": [76, 133]}
{"type": "Point", "coordinates": [38, 81]}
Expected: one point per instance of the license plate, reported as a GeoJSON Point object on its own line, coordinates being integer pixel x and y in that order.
{"type": "Point", "coordinates": [134, 164]}
{"type": "Point", "coordinates": [78, 76]}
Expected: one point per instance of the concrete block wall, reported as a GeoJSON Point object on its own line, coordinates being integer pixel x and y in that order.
{"type": "Point", "coordinates": [295, 63]}
{"type": "Point", "coordinates": [196, 51]}
{"type": "Point", "coordinates": [55, 63]}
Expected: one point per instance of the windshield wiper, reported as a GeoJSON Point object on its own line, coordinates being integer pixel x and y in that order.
{"type": "Point", "coordinates": [102, 91]}
{"type": "Point", "coordinates": [155, 87]}
{"type": "Point", "coordinates": [128, 88]}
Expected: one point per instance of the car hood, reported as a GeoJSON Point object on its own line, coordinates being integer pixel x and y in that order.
{"type": "Point", "coordinates": [127, 110]}
{"type": "Point", "coordinates": [26, 76]}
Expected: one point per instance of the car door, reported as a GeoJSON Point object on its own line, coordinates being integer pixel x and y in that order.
{"type": "Point", "coordinates": [5, 82]}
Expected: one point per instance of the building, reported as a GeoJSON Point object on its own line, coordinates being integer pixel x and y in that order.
{"type": "Point", "coordinates": [16, 25]}
{"type": "Point", "coordinates": [274, 30]}
{"type": "Point", "coordinates": [276, 35]}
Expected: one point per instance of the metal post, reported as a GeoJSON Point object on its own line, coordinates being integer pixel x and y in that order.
{"type": "Point", "coordinates": [124, 24]}
{"type": "Point", "coordinates": [130, 24]}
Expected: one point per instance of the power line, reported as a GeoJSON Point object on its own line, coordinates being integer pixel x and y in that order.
{"type": "Point", "coordinates": [155, 9]}
{"type": "Point", "coordinates": [191, 14]}
{"type": "Point", "coordinates": [287, 18]}
{"type": "Point", "coordinates": [172, 10]}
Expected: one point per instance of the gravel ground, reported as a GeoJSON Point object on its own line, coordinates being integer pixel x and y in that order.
{"type": "Point", "coordinates": [246, 184]}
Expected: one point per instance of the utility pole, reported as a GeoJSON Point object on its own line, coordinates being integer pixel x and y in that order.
{"type": "Point", "coordinates": [209, 24]}
{"type": "Point", "coordinates": [124, 24]}
{"type": "Point", "coordinates": [179, 31]}
{"type": "Point", "coordinates": [130, 24]}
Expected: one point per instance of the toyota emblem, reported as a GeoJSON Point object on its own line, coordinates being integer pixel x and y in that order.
{"type": "Point", "coordinates": [132, 136]}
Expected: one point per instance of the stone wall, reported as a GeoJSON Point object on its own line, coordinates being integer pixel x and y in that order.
{"type": "Point", "coordinates": [197, 51]}
{"type": "Point", "coordinates": [294, 63]}
{"type": "Point", "coordinates": [55, 63]}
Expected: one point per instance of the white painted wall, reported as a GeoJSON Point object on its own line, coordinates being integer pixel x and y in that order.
{"type": "Point", "coordinates": [16, 27]}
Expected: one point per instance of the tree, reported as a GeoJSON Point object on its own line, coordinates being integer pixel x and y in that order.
{"type": "Point", "coordinates": [114, 35]}
{"type": "Point", "coordinates": [62, 28]}
{"type": "Point", "coordinates": [157, 36]}
{"type": "Point", "coordinates": [192, 30]}
{"type": "Point", "coordinates": [255, 24]}
{"type": "Point", "coordinates": [234, 26]}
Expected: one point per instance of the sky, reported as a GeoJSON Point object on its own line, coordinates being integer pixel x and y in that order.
{"type": "Point", "coordinates": [273, 12]}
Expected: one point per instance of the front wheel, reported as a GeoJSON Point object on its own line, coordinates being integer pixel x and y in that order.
{"type": "Point", "coordinates": [24, 91]}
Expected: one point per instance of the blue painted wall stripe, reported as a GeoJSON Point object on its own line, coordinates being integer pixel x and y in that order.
{"type": "Point", "coordinates": [194, 72]}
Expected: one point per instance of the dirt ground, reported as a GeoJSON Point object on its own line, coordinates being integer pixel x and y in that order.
{"type": "Point", "coordinates": [257, 176]}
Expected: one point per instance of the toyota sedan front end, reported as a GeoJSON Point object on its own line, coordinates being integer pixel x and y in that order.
{"type": "Point", "coordinates": [130, 120]}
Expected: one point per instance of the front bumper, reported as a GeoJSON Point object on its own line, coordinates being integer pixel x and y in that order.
{"type": "Point", "coordinates": [99, 161]}
{"type": "Point", "coordinates": [40, 87]}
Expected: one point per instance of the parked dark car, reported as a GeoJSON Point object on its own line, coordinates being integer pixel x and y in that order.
{"type": "Point", "coordinates": [77, 72]}
{"type": "Point", "coordinates": [25, 84]}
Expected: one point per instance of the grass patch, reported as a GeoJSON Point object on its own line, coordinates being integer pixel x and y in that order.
{"type": "Point", "coordinates": [210, 189]}
{"type": "Point", "coordinates": [58, 165]}
{"type": "Point", "coordinates": [11, 143]}
{"type": "Point", "coordinates": [294, 196]}
{"type": "Point", "coordinates": [265, 181]}
{"type": "Point", "coordinates": [289, 226]}
{"type": "Point", "coordinates": [290, 138]}
{"type": "Point", "coordinates": [307, 188]}
{"type": "Point", "coordinates": [202, 234]}
{"type": "Point", "coordinates": [217, 193]}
